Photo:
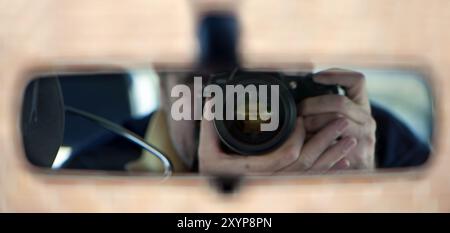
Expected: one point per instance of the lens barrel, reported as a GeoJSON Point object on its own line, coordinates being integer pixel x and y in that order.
{"type": "Point", "coordinates": [243, 136]}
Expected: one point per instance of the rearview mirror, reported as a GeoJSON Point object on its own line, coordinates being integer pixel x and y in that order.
{"type": "Point", "coordinates": [123, 120]}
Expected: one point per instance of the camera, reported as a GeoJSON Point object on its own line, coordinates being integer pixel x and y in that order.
{"type": "Point", "coordinates": [244, 136]}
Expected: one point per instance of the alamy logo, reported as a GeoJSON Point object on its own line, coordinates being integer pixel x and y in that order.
{"type": "Point", "coordinates": [252, 103]}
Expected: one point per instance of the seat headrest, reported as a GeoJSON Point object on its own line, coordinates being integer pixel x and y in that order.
{"type": "Point", "coordinates": [42, 122]}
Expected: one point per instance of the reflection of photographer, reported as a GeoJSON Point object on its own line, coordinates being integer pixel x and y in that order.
{"type": "Point", "coordinates": [332, 133]}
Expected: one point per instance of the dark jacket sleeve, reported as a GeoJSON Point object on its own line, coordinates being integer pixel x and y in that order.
{"type": "Point", "coordinates": [396, 144]}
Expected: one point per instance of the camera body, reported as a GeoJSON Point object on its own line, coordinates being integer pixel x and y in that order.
{"type": "Point", "coordinates": [238, 137]}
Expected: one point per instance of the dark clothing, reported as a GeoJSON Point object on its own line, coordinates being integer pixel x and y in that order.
{"type": "Point", "coordinates": [396, 146]}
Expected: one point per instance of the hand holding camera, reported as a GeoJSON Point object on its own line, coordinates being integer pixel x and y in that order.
{"type": "Point", "coordinates": [353, 108]}
{"type": "Point", "coordinates": [330, 132]}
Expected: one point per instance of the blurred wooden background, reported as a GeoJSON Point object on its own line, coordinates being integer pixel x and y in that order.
{"type": "Point", "coordinates": [57, 32]}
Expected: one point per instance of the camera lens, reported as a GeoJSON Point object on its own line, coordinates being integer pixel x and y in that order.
{"type": "Point", "coordinates": [245, 136]}
{"type": "Point", "coordinates": [249, 129]}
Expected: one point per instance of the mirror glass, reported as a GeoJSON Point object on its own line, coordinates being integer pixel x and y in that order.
{"type": "Point", "coordinates": [232, 121]}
